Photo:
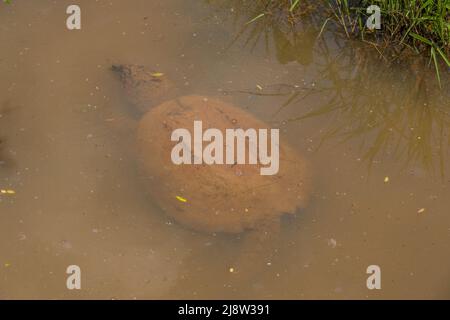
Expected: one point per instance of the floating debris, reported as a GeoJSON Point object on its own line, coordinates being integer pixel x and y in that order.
{"type": "Point", "coordinates": [231, 270]}
{"type": "Point", "coordinates": [259, 87]}
{"type": "Point", "coordinates": [332, 243]}
{"type": "Point", "coordinates": [7, 191]}
{"type": "Point", "coordinates": [181, 199]}
{"type": "Point", "coordinates": [157, 74]}
{"type": "Point", "coordinates": [386, 179]}
{"type": "Point", "coordinates": [421, 210]}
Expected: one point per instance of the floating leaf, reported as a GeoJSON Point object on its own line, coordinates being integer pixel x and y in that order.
{"type": "Point", "coordinates": [7, 191]}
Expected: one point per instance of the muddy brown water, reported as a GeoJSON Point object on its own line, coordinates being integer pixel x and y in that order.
{"type": "Point", "coordinates": [79, 198]}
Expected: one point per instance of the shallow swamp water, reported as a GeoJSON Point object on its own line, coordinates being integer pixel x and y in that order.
{"type": "Point", "coordinates": [376, 137]}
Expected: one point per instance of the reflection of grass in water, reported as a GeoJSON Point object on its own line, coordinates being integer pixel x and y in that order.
{"type": "Point", "coordinates": [289, 23]}
{"type": "Point", "coordinates": [408, 121]}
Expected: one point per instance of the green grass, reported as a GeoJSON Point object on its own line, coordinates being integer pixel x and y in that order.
{"type": "Point", "coordinates": [408, 27]}
{"type": "Point", "coordinates": [423, 26]}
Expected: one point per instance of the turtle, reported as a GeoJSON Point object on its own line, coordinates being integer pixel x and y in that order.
{"type": "Point", "coordinates": [219, 198]}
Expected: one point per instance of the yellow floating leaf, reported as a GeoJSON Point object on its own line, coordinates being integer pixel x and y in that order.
{"type": "Point", "coordinates": [7, 191]}
{"type": "Point", "coordinates": [181, 199]}
{"type": "Point", "coordinates": [157, 74]}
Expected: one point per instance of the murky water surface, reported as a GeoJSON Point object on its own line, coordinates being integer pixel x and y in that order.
{"type": "Point", "coordinates": [377, 141]}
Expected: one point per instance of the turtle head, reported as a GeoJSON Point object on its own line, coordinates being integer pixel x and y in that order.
{"type": "Point", "coordinates": [144, 87]}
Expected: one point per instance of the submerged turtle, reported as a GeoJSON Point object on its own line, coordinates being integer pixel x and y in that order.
{"type": "Point", "coordinates": [229, 198]}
